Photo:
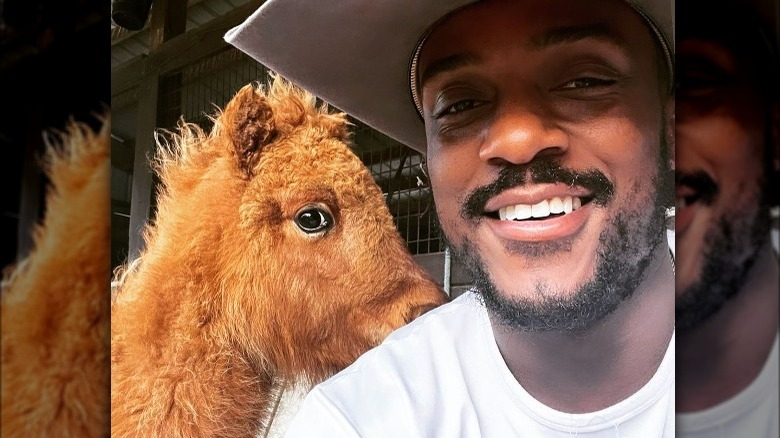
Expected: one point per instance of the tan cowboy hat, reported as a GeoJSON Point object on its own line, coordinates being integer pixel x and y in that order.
{"type": "Point", "coordinates": [357, 54]}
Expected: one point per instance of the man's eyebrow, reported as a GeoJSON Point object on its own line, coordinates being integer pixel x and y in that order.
{"type": "Point", "coordinates": [572, 34]}
{"type": "Point", "coordinates": [443, 65]}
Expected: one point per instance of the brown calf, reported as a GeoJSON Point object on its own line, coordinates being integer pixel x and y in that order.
{"type": "Point", "coordinates": [273, 259]}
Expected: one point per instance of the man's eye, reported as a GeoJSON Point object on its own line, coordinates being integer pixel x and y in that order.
{"type": "Point", "coordinates": [581, 83]}
{"type": "Point", "coordinates": [458, 107]}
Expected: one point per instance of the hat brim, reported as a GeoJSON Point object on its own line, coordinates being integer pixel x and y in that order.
{"type": "Point", "coordinates": [356, 55]}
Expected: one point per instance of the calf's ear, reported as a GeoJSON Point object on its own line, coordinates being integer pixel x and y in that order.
{"type": "Point", "coordinates": [249, 124]}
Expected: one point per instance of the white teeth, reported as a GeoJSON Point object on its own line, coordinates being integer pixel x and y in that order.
{"type": "Point", "coordinates": [541, 209]}
{"type": "Point", "coordinates": [544, 208]}
{"type": "Point", "coordinates": [523, 211]}
{"type": "Point", "coordinates": [567, 208]}
{"type": "Point", "coordinates": [556, 206]}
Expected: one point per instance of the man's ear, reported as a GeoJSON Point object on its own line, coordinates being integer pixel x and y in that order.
{"type": "Point", "coordinates": [248, 121]}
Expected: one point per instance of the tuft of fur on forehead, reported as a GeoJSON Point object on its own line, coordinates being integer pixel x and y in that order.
{"type": "Point", "coordinates": [256, 117]}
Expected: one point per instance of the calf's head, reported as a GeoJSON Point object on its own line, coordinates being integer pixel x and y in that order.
{"type": "Point", "coordinates": [310, 269]}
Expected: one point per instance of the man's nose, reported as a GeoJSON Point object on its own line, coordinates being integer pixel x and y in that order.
{"type": "Point", "coordinates": [520, 134]}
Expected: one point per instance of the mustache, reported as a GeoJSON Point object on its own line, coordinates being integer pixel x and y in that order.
{"type": "Point", "coordinates": [706, 188]}
{"type": "Point", "coordinates": [539, 171]}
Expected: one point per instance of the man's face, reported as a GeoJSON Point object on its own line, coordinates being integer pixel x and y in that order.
{"type": "Point", "coordinates": [539, 107]}
{"type": "Point", "coordinates": [721, 217]}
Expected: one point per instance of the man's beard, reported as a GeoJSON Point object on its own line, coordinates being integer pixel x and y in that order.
{"type": "Point", "coordinates": [627, 246]}
{"type": "Point", "coordinates": [730, 249]}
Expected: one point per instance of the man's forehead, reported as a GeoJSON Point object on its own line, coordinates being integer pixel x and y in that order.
{"type": "Point", "coordinates": [447, 55]}
{"type": "Point", "coordinates": [540, 40]}
{"type": "Point", "coordinates": [574, 33]}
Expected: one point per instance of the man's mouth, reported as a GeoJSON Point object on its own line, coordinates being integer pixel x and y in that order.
{"type": "Point", "coordinates": [540, 201]}
{"type": "Point", "coordinates": [575, 189]}
{"type": "Point", "coordinates": [538, 218]}
{"type": "Point", "coordinates": [547, 208]}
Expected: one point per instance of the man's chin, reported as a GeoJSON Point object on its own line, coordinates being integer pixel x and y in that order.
{"type": "Point", "coordinates": [613, 274]}
{"type": "Point", "coordinates": [549, 311]}
{"type": "Point", "coordinates": [545, 305]}
{"type": "Point", "coordinates": [531, 290]}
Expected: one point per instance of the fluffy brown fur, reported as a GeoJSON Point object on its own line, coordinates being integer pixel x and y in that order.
{"type": "Point", "coordinates": [55, 304]}
{"type": "Point", "coordinates": [230, 299]}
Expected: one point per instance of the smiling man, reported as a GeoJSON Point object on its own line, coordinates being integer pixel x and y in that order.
{"type": "Point", "coordinates": [727, 275]}
{"type": "Point", "coordinates": [547, 130]}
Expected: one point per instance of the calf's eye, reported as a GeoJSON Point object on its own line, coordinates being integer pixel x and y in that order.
{"type": "Point", "coordinates": [314, 220]}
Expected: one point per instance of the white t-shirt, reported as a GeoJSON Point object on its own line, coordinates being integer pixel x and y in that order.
{"type": "Point", "coordinates": [443, 376]}
{"type": "Point", "coordinates": [753, 413]}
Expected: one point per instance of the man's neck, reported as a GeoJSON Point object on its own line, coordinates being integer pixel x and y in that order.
{"type": "Point", "coordinates": [587, 371]}
{"type": "Point", "coordinates": [723, 355]}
